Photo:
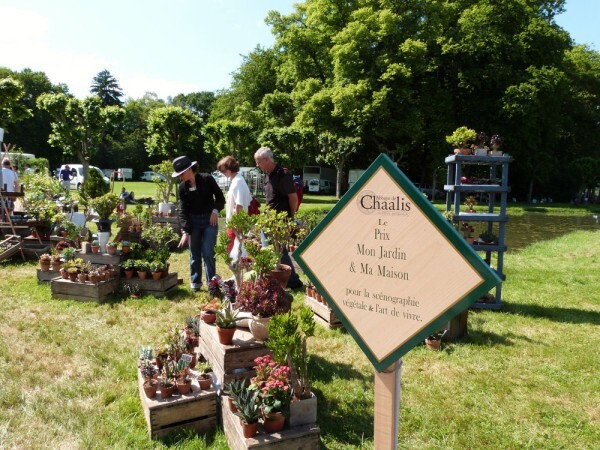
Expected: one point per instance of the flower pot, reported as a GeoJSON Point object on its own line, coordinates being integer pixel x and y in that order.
{"type": "Point", "coordinates": [463, 151]}
{"type": "Point", "coordinates": [281, 275]}
{"type": "Point", "coordinates": [433, 344]}
{"type": "Point", "coordinates": [73, 277]}
{"type": "Point", "coordinates": [184, 386]}
{"type": "Point", "coordinates": [156, 275]}
{"type": "Point", "coordinates": [95, 249]}
{"type": "Point", "coordinates": [205, 381]}
{"type": "Point", "coordinates": [208, 316]}
{"type": "Point", "coordinates": [57, 266]}
{"type": "Point", "coordinates": [86, 247]}
{"type": "Point", "coordinates": [225, 335]}
{"type": "Point", "coordinates": [231, 405]}
{"type": "Point", "coordinates": [273, 422]}
{"type": "Point", "coordinates": [45, 265]}
{"type": "Point", "coordinates": [129, 274]}
{"type": "Point", "coordinates": [82, 277]}
{"type": "Point", "coordinates": [304, 411]}
{"type": "Point", "coordinates": [249, 429]}
{"type": "Point", "coordinates": [64, 274]}
{"type": "Point", "coordinates": [150, 388]}
{"type": "Point", "coordinates": [111, 249]}
{"type": "Point", "coordinates": [166, 392]}
{"type": "Point", "coordinates": [103, 237]}
{"type": "Point", "coordinates": [164, 208]}
{"type": "Point", "coordinates": [259, 327]}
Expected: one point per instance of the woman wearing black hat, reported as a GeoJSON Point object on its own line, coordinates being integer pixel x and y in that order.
{"type": "Point", "coordinates": [200, 200]}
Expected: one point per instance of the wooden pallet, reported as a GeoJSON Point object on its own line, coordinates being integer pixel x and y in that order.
{"type": "Point", "coordinates": [83, 292]}
{"type": "Point", "coordinates": [230, 361]}
{"type": "Point", "coordinates": [305, 437]}
{"type": "Point", "coordinates": [323, 313]}
{"type": "Point", "coordinates": [194, 411]}
{"type": "Point", "coordinates": [100, 258]}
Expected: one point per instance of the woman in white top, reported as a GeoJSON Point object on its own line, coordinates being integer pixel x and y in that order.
{"type": "Point", "coordinates": [238, 196]}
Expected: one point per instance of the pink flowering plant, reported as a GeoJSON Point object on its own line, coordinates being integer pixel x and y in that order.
{"type": "Point", "coordinates": [272, 380]}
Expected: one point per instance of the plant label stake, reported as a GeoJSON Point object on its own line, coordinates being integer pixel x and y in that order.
{"type": "Point", "coordinates": [398, 270]}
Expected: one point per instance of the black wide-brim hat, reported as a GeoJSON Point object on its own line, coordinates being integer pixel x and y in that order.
{"type": "Point", "coordinates": [181, 164]}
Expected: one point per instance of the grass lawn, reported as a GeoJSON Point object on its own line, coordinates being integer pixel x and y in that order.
{"type": "Point", "coordinates": [524, 377]}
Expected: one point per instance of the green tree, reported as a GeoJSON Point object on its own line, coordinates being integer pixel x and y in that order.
{"type": "Point", "coordinates": [105, 86]}
{"type": "Point", "coordinates": [11, 110]}
{"type": "Point", "coordinates": [78, 124]}
{"type": "Point", "coordinates": [172, 131]}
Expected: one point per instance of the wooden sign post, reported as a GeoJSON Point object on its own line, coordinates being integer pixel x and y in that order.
{"type": "Point", "coordinates": [392, 269]}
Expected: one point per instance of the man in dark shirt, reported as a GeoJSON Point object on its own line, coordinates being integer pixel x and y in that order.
{"type": "Point", "coordinates": [200, 200]}
{"type": "Point", "coordinates": [281, 196]}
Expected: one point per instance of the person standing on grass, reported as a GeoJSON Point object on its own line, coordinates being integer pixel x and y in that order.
{"type": "Point", "coordinates": [281, 196]}
{"type": "Point", "coordinates": [10, 182]}
{"type": "Point", "coordinates": [238, 197]}
{"type": "Point", "coordinates": [200, 200]}
{"type": "Point", "coordinates": [65, 177]}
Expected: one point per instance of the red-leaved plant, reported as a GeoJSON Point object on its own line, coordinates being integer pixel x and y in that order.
{"type": "Point", "coordinates": [264, 297]}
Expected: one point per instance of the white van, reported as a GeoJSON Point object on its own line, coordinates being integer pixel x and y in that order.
{"type": "Point", "coordinates": [77, 171]}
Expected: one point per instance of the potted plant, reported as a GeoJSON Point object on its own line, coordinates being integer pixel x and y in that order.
{"type": "Point", "coordinates": [125, 246]}
{"type": "Point", "coordinates": [248, 409]}
{"type": "Point", "coordinates": [470, 203]}
{"type": "Point", "coordinates": [461, 139]}
{"type": "Point", "coordinates": [133, 289]}
{"type": "Point", "coordinates": [95, 246]}
{"type": "Point", "coordinates": [495, 144]}
{"type": "Point", "coordinates": [467, 232]}
{"type": "Point", "coordinates": [278, 228]}
{"type": "Point", "coordinates": [288, 335]}
{"type": "Point", "coordinates": [209, 310]}
{"type": "Point", "coordinates": [272, 382]}
{"type": "Point", "coordinates": [111, 248]}
{"type": "Point", "coordinates": [142, 267]}
{"type": "Point", "coordinates": [167, 384]}
{"type": "Point", "coordinates": [487, 237]}
{"type": "Point", "coordinates": [263, 298]}
{"type": "Point", "coordinates": [73, 271]}
{"type": "Point", "coordinates": [434, 341]}
{"type": "Point", "coordinates": [68, 254]}
{"type": "Point", "coordinates": [156, 268]}
{"type": "Point", "coordinates": [104, 207]}
{"type": "Point", "coordinates": [45, 261]}
{"type": "Point", "coordinates": [226, 324]}
{"type": "Point", "coordinates": [204, 378]}
{"type": "Point", "coordinates": [232, 390]}
{"type": "Point", "coordinates": [182, 377]}
{"type": "Point", "coordinates": [128, 267]}
{"type": "Point", "coordinates": [479, 148]}
{"type": "Point", "coordinates": [164, 186]}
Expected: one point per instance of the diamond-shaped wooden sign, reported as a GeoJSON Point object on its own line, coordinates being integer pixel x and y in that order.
{"type": "Point", "coordinates": [390, 266]}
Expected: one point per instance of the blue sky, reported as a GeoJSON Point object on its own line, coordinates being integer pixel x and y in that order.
{"type": "Point", "coordinates": [173, 47]}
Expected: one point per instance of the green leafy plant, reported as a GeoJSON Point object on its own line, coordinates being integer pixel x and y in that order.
{"type": "Point", "coordinates": [262, 259]}
{"type": "Point", "coordinates": [104, 205]}
{"type": "Point", "coordinates": [288, 334]}
{"type": "Point", "coordinates": [248, 405]}
{"type": "Point", "coordinates": [227, 317]}
{"type": "Point", "coordinates": [234, 387]}
{"type": "Point", "coordinates": [278, 229]}
{"type": "Point", "coordinates": [462, 137]}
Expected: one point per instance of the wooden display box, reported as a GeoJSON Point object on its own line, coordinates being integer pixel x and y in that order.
{"type": "Point", "coordinates": [45, 276]}
{"type": "Point", "coordinates": [230, 361]}
{"type": "Point", "coordinates": [158, 288]}
{"type": "Point", "coordinates": [194, 411]}
{"type": "Point", "coordinates": [323, 313]}
{"type": "Point", "coordinates": [83, 292]}
{"type": "Point", "coordinates": [457, 327]}
{"type": "Point", "coordinates": [305, 437]}
{"type": "Point", "coordinates": [9, 246]}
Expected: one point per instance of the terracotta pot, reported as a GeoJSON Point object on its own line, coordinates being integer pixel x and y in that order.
{"type": "Point", "coordinates": [225, 335]}
{"type": "Point", "coordinates": [273, 422]}
{"type": "Point", "coordinates": [205, 381]}
{"type": "Point", "coordinates": [82, 277]}
{"type": "Point", "coordinates": [57, 266]}
{"type": "Point", "coordinates": [142, 275]}
{"type": "Point", "coordinates": [231, 405]}
{"type": "Point", "coordinates": [184, 386]}
{"type": "Point", "coordinates": [129, 274]}
{"type": "Point", "coordinates": [64, 274]}
{"type": "Point", "coordinates": [259, 327]}
{"type": "Point", "coordinates": [111, 249]}
{"type": "Point", "coordinates": [150, 387]}
{"type": "Point", "coordinates": [156, 275]}
{"type": "Point", "coordinates": [166, 392]}
{"type": "Point", "coordinates": [208, 317]}
{"type": "Point", "coordinates": [249, 429]}
{"type": "Point", "coordinates": [281, 275]}
{"type": "Point", "coordinates": [95, 249]}
{"type": "Point", "coordinates": [433, 344]}
{"type": "Point", "coordinates": [73, 277]}
{"type": "Point", "coordinates": [94, 279]}
{"type": "Point", "coordinates": [45, 265]}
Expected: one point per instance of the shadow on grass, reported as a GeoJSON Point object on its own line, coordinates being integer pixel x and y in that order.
{"type": "Point", "coordinates": [555, 313]}
{"type": "Point", "coordinates": [345, 420]}
{"type": "Point", "coordinates": [535, 209]}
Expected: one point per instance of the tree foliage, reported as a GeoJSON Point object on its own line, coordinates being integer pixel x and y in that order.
{"type": "Point", "coordinates": [105, 86]}
{"type": "Point", "coordinates": [172, 131]}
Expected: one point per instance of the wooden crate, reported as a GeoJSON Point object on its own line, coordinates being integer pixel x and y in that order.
{"type": "Point", "coordinates": [230, 361]}
{"type": "Point", "coordinates": [158, 288]}
{"type": "Point", "coordinates": [457, 327]}
{"type": "Point", "coordinates": [323, 313]}
{"type": "Point", "coordinates": [45, 276]}
{"type": "Point", "coordinates": [305, 437]}
{"type": "Point", "coordinates": [83, 292]}
{"type": "Point", "coordinates": [10, 246]}
{"type": "Point", "coordinates": [194, 411]}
